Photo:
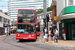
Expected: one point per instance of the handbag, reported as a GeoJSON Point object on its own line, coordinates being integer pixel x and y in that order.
{"type": "Point", "coordinates": [55, 37]}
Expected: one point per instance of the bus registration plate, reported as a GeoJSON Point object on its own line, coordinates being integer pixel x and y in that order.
{"type": "Point", "coordinates": [25, 38]}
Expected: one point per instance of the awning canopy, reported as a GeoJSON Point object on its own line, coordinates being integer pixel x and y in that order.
{"type": "Point", "coordinates": [68, 16]}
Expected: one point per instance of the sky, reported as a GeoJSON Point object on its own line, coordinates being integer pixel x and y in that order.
{"type": "Point", "coordinates": [4, 5]}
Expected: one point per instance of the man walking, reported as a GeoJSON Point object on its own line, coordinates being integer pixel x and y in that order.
{"type": "Point", "coordinates": [64, 34]}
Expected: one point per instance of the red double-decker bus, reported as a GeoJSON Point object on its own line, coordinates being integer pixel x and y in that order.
{"type": "Point", "coordinates": [38, 28]}
{"type": "Point", "coordinates": [26, 24]}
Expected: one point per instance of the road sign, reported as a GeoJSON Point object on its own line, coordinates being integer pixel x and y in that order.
{"type": "Point", "coordinates": [55, 17]}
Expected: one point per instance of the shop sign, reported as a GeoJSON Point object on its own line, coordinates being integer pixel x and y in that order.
{"type": "Point", "coordinates": [4, 25]}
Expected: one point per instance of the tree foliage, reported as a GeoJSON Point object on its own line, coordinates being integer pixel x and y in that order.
{"type": "Point", "coordinates": [41, 10]}
{"type": "Point", "coordinates": [49, 8]}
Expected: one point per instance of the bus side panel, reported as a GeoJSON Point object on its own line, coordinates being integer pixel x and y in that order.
{"type": "Point", "coordinates": [26, 36]}
{"type": "Point", "coordinates": [38, 33]}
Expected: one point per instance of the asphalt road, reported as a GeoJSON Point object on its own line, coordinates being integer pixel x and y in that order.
{"type": "Point", "coordinates": [10, 43]}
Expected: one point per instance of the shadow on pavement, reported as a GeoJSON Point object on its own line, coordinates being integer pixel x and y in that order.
{"type": "Point", "coordinates": [27, 41]}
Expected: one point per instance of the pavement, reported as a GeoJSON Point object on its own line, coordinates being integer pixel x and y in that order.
{"type": "Point", "coordinates": [61, 43]}
{"type": "Point", "coordinates": [10, 43]}
{"type": "Point", "coordinates": [5, 35]}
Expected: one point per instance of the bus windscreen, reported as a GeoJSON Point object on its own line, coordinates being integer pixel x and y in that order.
{"type": "Point", "coordinates": [26, 29]}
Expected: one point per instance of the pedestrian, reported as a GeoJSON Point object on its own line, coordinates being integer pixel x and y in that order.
{"type": "Point", "coordinates": [52, 34]}
{"type": "Point", "coordinates": [43, 31]}
{"type": "Point", "coordinates": [64, 33]}
{"type": "Point", "coordinates": [56, 35]}
{"type": "Point", "coordinates": [7, 32]}
{"type": "Point", "coordinates": [49, 34]}
{"type": "Point", "coordinates": [45, 34]}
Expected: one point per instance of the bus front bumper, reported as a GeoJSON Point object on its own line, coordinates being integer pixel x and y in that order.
{"type": "Point", "coordinates": [26, 38]}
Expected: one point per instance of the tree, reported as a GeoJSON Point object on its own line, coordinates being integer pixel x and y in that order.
{"type": "Point", "coordinates": [41, 10]}
{"type": "Point", "coordinates": [49, 8]}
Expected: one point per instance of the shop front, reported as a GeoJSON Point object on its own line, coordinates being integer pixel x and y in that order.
{"type": "Point", "coordinates": [5, 28]}
{"type": "Point", "coordinates": [67, 20]}
{"type": "Point", "coordinates": [69, 25]}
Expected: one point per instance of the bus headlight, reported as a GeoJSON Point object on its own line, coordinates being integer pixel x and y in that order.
{"type": "Point", "coordinates": [32, 35]}
{"type": "Point", "coordinates": [18, 35]}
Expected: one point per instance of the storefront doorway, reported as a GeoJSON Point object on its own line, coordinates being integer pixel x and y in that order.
{"type": "Point", "coordinates": [73, 31]}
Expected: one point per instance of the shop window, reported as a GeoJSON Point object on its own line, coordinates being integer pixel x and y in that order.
{"type": "Point", "coordinates": [70, 2]}
{"type": "Point", "coordinates": [73, 22]}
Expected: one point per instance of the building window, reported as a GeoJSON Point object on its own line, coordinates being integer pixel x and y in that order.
{"type": "Point", "coordinates": [5, 20]}
{"type": "Point", "coordinates": [0, 19]}
{"type": "Point", "coordinates": [8, 21]}
{"type": "Point", "coordinates": [65, 3]}
{"type": "Point", "coordinates": [70, 2]}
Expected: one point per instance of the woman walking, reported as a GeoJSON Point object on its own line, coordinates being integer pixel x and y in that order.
{"type": "Point", "coordinates": [52, 34]}
{"type": "Point", "coordinates": [56, 35]}
{"type": "Point", "coordinates": [49, 34]}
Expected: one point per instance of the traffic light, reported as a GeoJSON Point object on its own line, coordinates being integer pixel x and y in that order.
{"type": "Point", "coordinates": [44, 20]}
{"type": "Point", "coordinates": [47, 18]}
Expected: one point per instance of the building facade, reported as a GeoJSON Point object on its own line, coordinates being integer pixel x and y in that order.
{"type": "Point", "coordinates": [14, 5]}
{"type": "Point", "coordinates": [54, 13]}
{"type": "Point", "coordinates": [4, 23]}
{"type": "Point", "coordinates": [40, 17]}
{"type": "Point", "coordinates": [66, 18]}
